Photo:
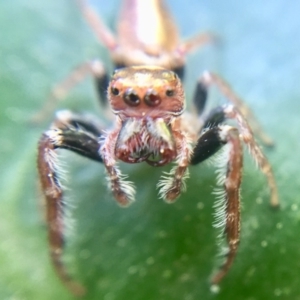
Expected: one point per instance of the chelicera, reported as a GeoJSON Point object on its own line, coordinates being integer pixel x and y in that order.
{"type": "Point", "coordinates": [151, 125]}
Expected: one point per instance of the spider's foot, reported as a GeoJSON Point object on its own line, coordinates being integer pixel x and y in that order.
{"type": "Point", "coordinates": [172, 184]}
{"type": "Point", "coordinates": [172, 194]}
{"type": "Point", "coordinates": [123, 199]}
{"type": "Point", "coordinates": [124, 193]}
{"type": "Point", "coordinates": [274, 200]}
{"type": "Point", "coordinates": [170, 189]}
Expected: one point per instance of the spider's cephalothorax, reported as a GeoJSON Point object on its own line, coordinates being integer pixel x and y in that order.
{"type": "Point", "coordinates": [146, 103]}
{"type": "Point", "coordinates": [151, 126]}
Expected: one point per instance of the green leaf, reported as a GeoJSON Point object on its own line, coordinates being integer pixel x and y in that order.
{"type": "Point", "coordinates": [150, 250]}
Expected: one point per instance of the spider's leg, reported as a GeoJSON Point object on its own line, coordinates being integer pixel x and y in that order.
{"type": "Point", "coordinates": [214, 118]}
{"type": "Point", "coordinates": [216, 115]}
{"type": "Point", "coordinates": [80, 141]}
{"type": "Point", "coordinates": [103, 34]}
{"type": "Point", "coordinates": [173, 183]}
{"type": "Point", "coordinates": [222, 113]}
{"type": "Point", "coordinates": [197, 41]}
{"type": "Point", "coordinates": [207, 145]}
{"type": "Point", "coordinates": [246, 134]}
{"type": "Point", "coordinates": [61, 90]}
{"type": "Point", "coordinates": [122, 189]}
{"type": "Point", "coordinates": [228, 213]}
{"type": "Point", "coordinates": [84, 121]}
{"type": "Point", "coordinates": [209, 79]}
{"type": "Point", "coordinates": [200, 97]}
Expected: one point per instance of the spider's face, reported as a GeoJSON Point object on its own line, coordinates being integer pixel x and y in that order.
{"type": "Point", "coordinates": [146, 91]}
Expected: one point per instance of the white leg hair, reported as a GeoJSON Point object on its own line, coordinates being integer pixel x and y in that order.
{"type": "Point", "coordinates": [172, 183]}
{"type": "Point", "coordinates": [122, 190]}
{"type": "Point", "coordinates": [228, 196]}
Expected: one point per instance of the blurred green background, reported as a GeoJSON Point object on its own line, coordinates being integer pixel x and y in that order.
{"type": "Point", "coordinates": [150, 250]}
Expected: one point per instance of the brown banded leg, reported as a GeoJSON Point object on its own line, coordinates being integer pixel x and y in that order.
{"type": "Point", "coordinates": [228, 207]}
{"type": "Point", "coordinates": [209, 79]}
{"type": "Point", "coordinates": [102, 32]}
{"type": "Point", "coordinates": [79, 141]}
{"type": "Point", "coordinates": [122, 190]}
{"type": "Point", "coordinates": [61, 90]}
{"type": "Point", "coordinates": [219, 115]}
{"type": "Point", "coordinates": [197, 41]}
{"type": "Point", "coordinates": [231, 112]}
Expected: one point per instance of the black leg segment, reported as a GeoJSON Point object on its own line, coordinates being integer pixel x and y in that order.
{"type": "Point", "coordinates": [200, 97]}
{"type": "Point", "coordinates": [215, 117]}
{"type": "Point", "coordinates": [79, 133]}
{"type": "Point", "coordinates": [208, 144]}
{"type": "Point", "coordinates": [66, 119]}
{"type": "Point", "coordinates": [180, 71]}
{"type": "Point", "coordinates": [101, 83]}
{"type": "Point", "coordinates": [78, 141]}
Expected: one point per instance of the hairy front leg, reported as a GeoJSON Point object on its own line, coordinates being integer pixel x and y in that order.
{"type": "Point", "coordinates": [231, 112]}
{"type": "Point", "coordinates": [228, 207]}
{"type": "Point", "coordinates": [230, 177]}
{"type": "Point", "coordinates": [48, 167]}
{"type": "Point", "coordinates": [83, 141]}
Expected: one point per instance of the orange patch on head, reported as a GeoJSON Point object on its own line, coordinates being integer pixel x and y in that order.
{"type": "Point", "coordinates": [146, 90]}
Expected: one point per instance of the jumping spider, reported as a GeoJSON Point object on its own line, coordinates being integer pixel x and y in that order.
{"type": "Point", "coordinates": [151, 126]}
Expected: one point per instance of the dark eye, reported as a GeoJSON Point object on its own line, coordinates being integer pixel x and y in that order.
{"type": "Point", "coordinates": [115, 91]}
{"type": "Point", "coordinates": [152, 99]}
{"type": "Point", "coordinates": [131, 98]}
{"type": "Point", "coordinates": [170, 93]}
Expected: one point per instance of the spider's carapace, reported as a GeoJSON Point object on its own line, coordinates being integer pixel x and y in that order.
{"type": "Point", "coordinates": [146, 104]}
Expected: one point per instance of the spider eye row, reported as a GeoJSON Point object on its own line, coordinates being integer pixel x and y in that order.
{"type": "Point", "coordinates": [151, 98]}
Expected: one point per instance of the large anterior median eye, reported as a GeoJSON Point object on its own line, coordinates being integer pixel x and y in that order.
{"type": "Point", "coordinates": [131, 97]}
{"type": "Point", "coordinates": [152, 98]}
